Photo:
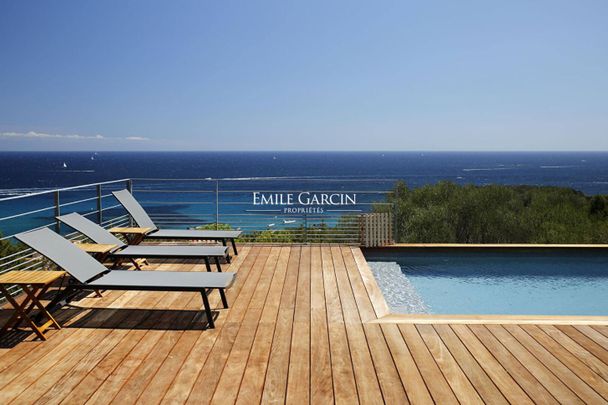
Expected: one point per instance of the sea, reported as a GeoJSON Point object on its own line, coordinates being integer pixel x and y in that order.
{"type": "Point", "coordinates": [30, 172]}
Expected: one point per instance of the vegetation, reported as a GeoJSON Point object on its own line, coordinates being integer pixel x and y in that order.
{"type": "Point", "coordinates": [446, 212]}
{"type": "Point", "coordinates": [7, 248]}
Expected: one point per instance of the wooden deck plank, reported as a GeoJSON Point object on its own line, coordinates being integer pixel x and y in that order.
{"type": "Point", "coordinates": [601, 329]}
{"type": "Point", "coordinates": [302, 327]}
{"type": "Point", "coordinates": [435, 381]}
{"type": "Point", "coordinates": [105, 370]}
{"type": "Point", "coordinates": [386, 371]}
{"type": "Point", "coordinates": [373, 290]}
{"type": "Point", "coordinates": [594, 335]}
{"type": "Point", "coordinates": [91, 381]}
{"type": "Point", "coordinates": [571, 362]}
{"type": "Point", "coordinates": [141, 365]}
{"type": "Point", "coordinates": [460, 384]}
{"type": "Point", "coordinates": [80, 338]}
{"type": "Point", "coordinates": [585, 341]}
{"type": "Point", "coordinates": [553, 384]}
{"type": "Point", "coordinates": [524, 378]}
{"type": "Point", "coordinates": [92, 361]}
{"type": "Point", "coordinates": [321, 384]}
{"type": "Point", "coordinates": [368, 387]}
{"type": "Point", "coordinates": [186, 377]}
{"type": "Point", "coordinates": [461, 334]}
{"type": "Point", "coordinates": [557, 367]}
{"type": "Point", "coordinates": [204, 386]}
{"type": "Point", "coordinates": [343, 376]}
{"type": "Point", "coordinates": [413, 383]}
{"type": "Point", "coordinates": [232, 374]}
{"type": "Point", "coordinates": [577, 350]}
{"type": "Point", "coordinates": [275, 384]}
{"type": "Point", "coordinates": [298, 381]}
{"type": "Point", "coordinates": [255, 370]}
{"type": "Point", "coordinates": [480, 380]}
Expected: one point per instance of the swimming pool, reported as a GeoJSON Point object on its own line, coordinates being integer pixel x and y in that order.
{"type": "Point", "coordinates": [507, 282]}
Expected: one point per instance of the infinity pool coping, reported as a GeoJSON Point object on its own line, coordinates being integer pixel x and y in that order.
{"type": "Point", "coordinates": [384, 314]}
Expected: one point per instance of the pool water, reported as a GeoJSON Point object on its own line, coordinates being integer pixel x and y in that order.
{"type": "Point", "coordinates": [551, 282]}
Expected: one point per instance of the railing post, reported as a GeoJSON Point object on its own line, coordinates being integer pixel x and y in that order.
{"type": "Point", "coordinates": [217, 205]}
{"type": "Point", "coordinates": [99, 214]}
{"type": "Point", "coordinates": [305, 228]}
{"type": "Point", "coordinates": [130, 188]}
{"type": "Point", "coordinates": [57, 212]}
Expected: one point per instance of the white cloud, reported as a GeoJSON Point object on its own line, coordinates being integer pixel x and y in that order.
{"type": "Point", "coordinates": [42, 135]}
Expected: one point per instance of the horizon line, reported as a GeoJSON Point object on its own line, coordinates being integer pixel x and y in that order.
{"type": "Point", "coordinates": [313, 151]}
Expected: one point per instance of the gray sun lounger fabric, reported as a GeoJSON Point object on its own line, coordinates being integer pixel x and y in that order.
{"type": "Point", "coordinates": [91, 274]}
{"type": "Point", "coordinates": [126, 199]}
{"type": "Point", "coordinates": [90, 229]}
{"type": "Point", "coordinates": [100, 235]}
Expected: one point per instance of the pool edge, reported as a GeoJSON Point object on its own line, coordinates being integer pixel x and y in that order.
{"type": "Point", "coordinates": [384, 315]}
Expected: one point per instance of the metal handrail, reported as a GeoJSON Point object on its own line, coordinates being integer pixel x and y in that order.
{"type": "Point", "coordinates": [15, 197]}
{"type": "Point", "coordinates": [251, 220]}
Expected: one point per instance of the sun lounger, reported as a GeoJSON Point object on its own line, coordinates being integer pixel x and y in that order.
{"type": "Point", "coordinates": [143, 220]}
{"type": "Point", "coordinates": [89, 274]}
{"type": "Point", "coordinates": [100, 235]}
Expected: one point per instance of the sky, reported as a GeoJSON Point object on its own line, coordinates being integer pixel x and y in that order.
{"type": "Point", "coordinates": [308, 75]}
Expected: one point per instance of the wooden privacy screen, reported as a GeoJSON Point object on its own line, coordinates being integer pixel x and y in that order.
{"type": "Point", "coordinates": [376, 229]}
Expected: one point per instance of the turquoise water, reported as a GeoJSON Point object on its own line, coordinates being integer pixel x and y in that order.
{"type": "Point", "coordinates": [511, 282]}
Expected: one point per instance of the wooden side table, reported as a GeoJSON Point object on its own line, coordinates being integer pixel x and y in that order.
{"type": "Point", "coordinates": [34, 284]}
{"type": "Point", "coordinates": [133, 235]}
{"type": "Point", "coordinates": [99, 251]}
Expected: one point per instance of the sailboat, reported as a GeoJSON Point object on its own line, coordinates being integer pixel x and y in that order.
{"type": "Point", "coordinates": [65, 166]}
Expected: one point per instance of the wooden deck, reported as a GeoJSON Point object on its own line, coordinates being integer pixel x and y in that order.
{"type": "Point", "coordinates": [302, 328]}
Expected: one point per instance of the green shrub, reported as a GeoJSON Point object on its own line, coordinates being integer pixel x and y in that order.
{"type": "Point", "coordinates": [449, 213]}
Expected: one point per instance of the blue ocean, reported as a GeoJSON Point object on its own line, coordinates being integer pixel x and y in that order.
{"type": "Point", "coordinates": [363, 172]}
{"type": "Point", "coordinates": [583, 171]}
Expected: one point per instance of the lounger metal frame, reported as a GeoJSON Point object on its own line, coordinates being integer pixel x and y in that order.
{"type": "Point", "coordinates": [139, 215]}
{"type": "Point", "coordinates": [100, 235]}
{"type": "Point", "coordinates": [87, 273]}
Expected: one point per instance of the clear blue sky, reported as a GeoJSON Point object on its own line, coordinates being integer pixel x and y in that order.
{"type": "Point", "coordinates": [316, 75]}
